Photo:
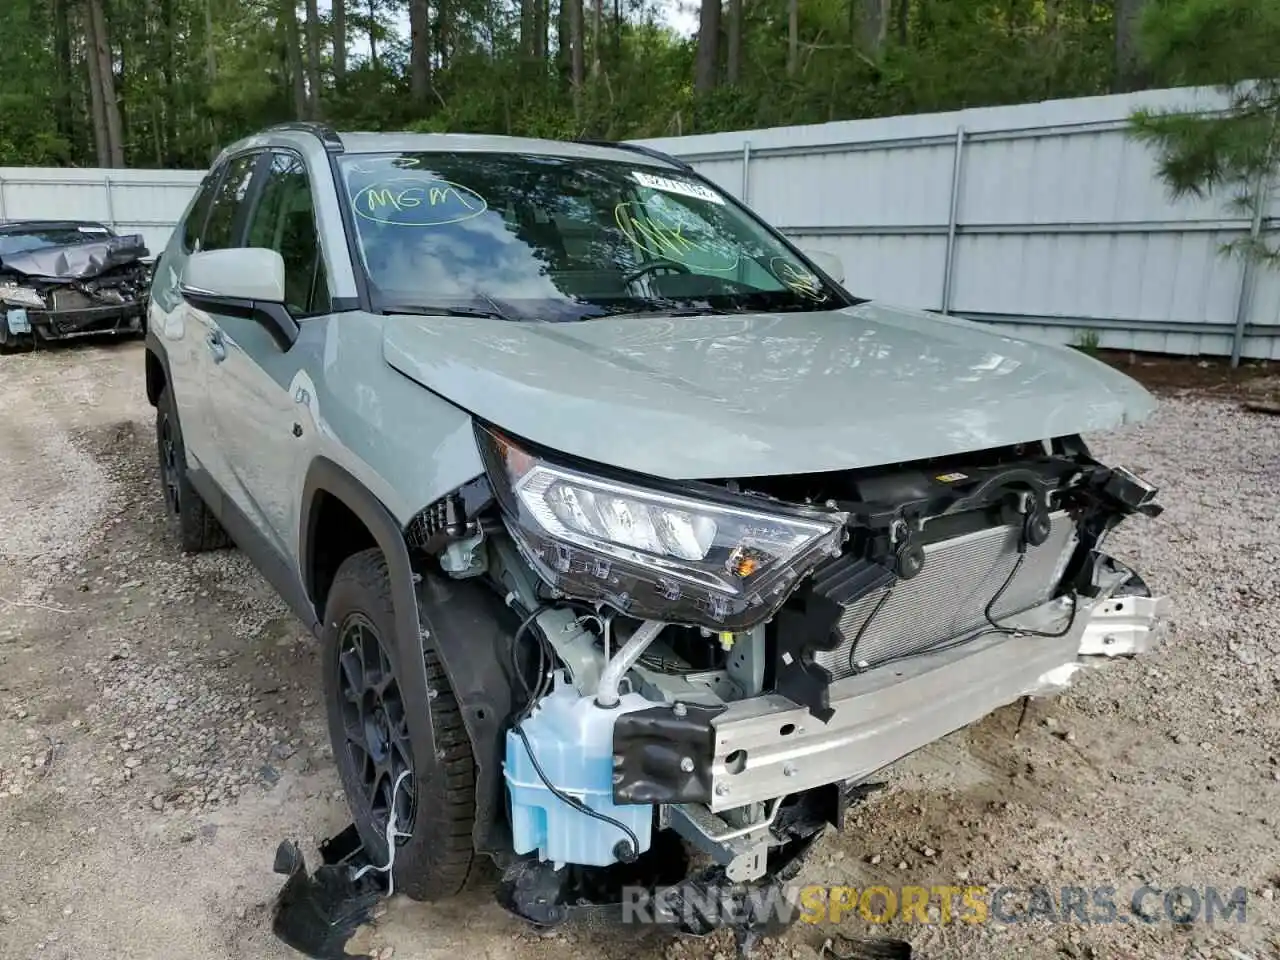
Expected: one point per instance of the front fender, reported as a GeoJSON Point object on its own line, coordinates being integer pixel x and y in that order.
{"type": "Point", "coordinates": [463, 622]}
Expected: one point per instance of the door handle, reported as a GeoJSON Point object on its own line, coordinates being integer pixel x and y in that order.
{"type": "Point", "coordinates": [217, 346]}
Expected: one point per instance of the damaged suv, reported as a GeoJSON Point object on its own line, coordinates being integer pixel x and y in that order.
{"type": "Point", "coordinates": [629, 535]}
{"type": "Point", "coordinates": [70, 278]}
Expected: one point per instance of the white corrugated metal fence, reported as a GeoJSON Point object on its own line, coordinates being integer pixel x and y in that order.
{"type": "Point", "coordinates": [1045, 217]}
{"type": "Point", "coordinates": [148, 202]}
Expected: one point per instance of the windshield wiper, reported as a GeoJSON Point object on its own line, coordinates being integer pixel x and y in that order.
{"type": "Point", "coordinates": [665, 311]}
{"type": "Point", "coordinates": [427, 310]}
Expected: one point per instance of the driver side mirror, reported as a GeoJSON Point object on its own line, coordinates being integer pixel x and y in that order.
{"type": "Point", "coordinates": [241, 282]}
{"type": "Point", "coordinates": [238, 273]}
{"type": "Point", "coordinates": [829, 263]}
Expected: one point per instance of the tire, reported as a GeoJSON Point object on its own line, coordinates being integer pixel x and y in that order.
{"type": "Point", "coordinates": [196, 527]}
{"type": "Point", "coordinates": [429, 739]}
{"type": "Point", "coordinates": [9, 342]}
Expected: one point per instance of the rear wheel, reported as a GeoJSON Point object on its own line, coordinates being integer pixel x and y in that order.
{"type": "Point", "coordinates": [394, 755]}
{"type": "Point", "coordinates": [196, 526]}
{"type": "Point", "coordinates": [9, 342]}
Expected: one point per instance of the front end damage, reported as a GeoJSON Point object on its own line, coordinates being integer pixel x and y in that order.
{"type": "Point", "coordinates": [75, 290]}
{"type": "Point", "coordinates": [732, 662]}
{"type": "Point", "coordinates": [707, 674]}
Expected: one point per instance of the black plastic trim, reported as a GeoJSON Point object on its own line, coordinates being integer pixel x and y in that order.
{"type": "Point", "coordinates": [326, 134]}
{"type": "Point", "coordinates": [274, 316]}
{"type": "Point", "coordinates": [649, 747]}
{"type": "Point", "coordinates": [153, 345]}
{"type": "Point", "coordinates": [643, 150]}
{"type": "Point", "coordinates": [457, 619]}
{"type": "Point", "coordinates": [274, 567]}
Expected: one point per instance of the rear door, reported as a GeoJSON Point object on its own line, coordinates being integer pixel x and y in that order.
{"type": "Point", "coordinates": [200, 334]}
{"type": "Point", "coordinates": [259, 389]}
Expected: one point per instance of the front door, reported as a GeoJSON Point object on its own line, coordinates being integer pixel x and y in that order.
{"type": "Point", "coordinates": [260, 392]}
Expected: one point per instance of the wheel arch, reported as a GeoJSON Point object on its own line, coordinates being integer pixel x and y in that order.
{"type": "Point", "coordinates": [462, 621]}
{"type": "Point", "coordinates": [156, 368]}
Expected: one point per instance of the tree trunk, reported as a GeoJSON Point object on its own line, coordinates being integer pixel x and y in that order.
{"type": "Point", "coordinates": [168, 108]}
{"type": "Point", "coordinates": [63, 103]}
{"type": "Point", "coordinates": [210, 57]}
{"type": "Point", "coordinates": [617, 32]}
{"type": "Point", "coordinates": [706, 67]}
{"type": "Point", "coordinates": [293, 57]}
{"type": "Point", "coordinates": [1128, 68]}
{"type": "Point", "coordinates": [575, 42]}
{"type": "Point", "coordinates": [902, 14]}
{"type": "Point", "coordinates": [597, 18]}
{"type": "Point", "coordinates": [339, 20]}
{"type": "Point", "coordinates": [733, 65]}
{"type": "Point", "coordinates": [541, 21]}
{"type": "Point", "coordinates": [419, 50]}
{"type": "Point", "coordinates": [793, 36]}
{"type": "Point", "coordinates": [101, 56]}
{"type": "Point", "coordinates": [101, 139]}
{"type": "Point", "coordinates": [373, 40]}
{"type": "Point", "coordinates": [443, 13]}
{"type": "Point", "coordinates": [873, 25]}
{"type": "Point", "coordinates": [312, 28]}
{"type": "Point", "coordinates": [526, 28]}
{"type": "Point", "coordinates": [564, 42]}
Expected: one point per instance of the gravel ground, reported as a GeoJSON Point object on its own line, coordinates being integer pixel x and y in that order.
{"type": "Point", "coordinates": [160, 731]}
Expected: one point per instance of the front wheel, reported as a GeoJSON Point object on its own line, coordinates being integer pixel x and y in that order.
{"type": "Point", "coordinates": [392, 754]}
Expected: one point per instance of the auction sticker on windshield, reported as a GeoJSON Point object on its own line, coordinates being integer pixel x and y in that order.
{"type": "Point", "coordinates": [682, 187]}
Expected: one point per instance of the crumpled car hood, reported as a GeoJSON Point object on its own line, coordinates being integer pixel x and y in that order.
{"type": "Point", "coordinates": [759, 395]}
{"type": "Point", "coordinates": [77, 261]}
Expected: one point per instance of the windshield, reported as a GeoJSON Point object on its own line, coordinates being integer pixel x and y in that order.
{"type": "Point", "coordinates": [550, 238]}
{"type": "Point", "coordinates": [38, 238]}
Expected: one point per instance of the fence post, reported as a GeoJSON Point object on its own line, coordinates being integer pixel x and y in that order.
{"type": "Point", "coordinates": [1244, 296]}
{"type": "Point", "coordinates": [111, 209]}
{"type": "Point", "coordinates": [746, 171]}
{"type": "Point", "coordinates": [957, 172]}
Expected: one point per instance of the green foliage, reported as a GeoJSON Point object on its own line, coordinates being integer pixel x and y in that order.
{"type": "Point", "coordinates": [192, 75]}
{"type": "Point", "coordinates": [1235, 45]}
{"type": "Point", "coordinates": [1087, 341]}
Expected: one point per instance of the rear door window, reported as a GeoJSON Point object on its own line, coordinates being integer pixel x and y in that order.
{"type": "Point", "coordinates": [199, 212]}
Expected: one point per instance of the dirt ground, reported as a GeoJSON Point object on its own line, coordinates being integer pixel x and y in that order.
{"type": "Point", "coordinates": [160, 730]}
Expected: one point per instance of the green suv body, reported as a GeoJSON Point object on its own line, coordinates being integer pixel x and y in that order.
{"type": "Point", "coordinates": [619, 519]}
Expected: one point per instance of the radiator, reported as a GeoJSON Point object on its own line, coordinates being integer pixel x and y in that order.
{"type": "Point", "coordinates": [947, 599]}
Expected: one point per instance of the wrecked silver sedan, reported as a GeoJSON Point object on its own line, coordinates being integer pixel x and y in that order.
{"type": "Point", "coordinates": [61, 279]}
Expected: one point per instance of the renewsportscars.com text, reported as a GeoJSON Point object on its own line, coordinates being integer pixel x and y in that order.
{"type": "Point", "coordinates": [939, 904]}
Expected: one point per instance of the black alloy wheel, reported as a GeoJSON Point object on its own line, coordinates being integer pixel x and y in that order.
{"type": "Point", "coordinates": [196, 526]}
{"type": "Point", "coordinates": [383, 733]}
{"type": "Point", "coordinates": [375, 725]}
{"type": "Point", "coordinates": [169, 475]}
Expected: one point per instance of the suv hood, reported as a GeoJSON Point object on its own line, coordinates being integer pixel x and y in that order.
{"type": "Point", "coordinates": [757, 395]}
{"type": "Point", "coordinates": [77, 261]}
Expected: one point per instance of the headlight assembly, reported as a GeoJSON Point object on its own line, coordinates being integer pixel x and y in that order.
{"type": "Point", "coordinates": [17, 296]}
{"type": "Point", "coordinates": [722, 563]}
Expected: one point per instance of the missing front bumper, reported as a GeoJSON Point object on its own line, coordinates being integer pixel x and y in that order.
{"type": "Point", "coordinates": [769, 747]}
{"type": "Point", "coordinates": [67, 324]}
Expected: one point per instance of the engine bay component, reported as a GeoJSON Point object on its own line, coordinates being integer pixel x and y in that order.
{"type": "Point", "coordinates": [565, 749]}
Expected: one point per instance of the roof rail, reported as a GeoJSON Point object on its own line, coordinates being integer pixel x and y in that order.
{"type": "Point", "coordinates": [640, 148]}
{"type": "Point", "coordinates": [328, 136]}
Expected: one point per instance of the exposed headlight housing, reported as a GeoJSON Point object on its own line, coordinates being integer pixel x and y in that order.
{"type": "Point", "coordinates": [717, 561]}
{"type": "Point", "coordinates": [17, 296]}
